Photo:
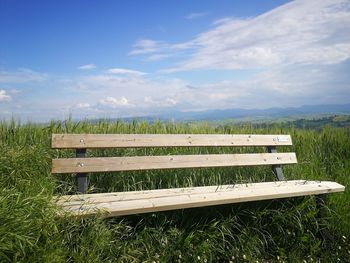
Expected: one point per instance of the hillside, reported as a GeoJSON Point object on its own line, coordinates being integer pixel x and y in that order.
{"type": "Point", "coordinates": [271, 231]}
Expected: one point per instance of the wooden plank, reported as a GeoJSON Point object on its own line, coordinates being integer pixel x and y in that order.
{"type": "Point", "coordinates": [78, 199]}
{"type": "Point", "coordinates": [165, 140]}
{"type": "Point", "coordinates": [111, 164]}
{"type": "Point", "coordinates": [194, 198]}
{"type": "Point", "coordinates": [134, 195]}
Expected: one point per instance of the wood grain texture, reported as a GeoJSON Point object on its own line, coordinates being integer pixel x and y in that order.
{"type": "Point", "coordinates": [112, 164]}
{"type": "Point", "coordinates": [119, 204]}
{"type": "Point", "coordinates": [71, 200]}
{"type": "Point", "coordinates": [165, 140]}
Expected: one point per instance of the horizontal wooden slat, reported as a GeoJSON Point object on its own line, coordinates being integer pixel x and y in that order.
{"type": "Point", "coordinates": [170, 199]}
{"type": "Point", "coordinates": [78, 199]}
{"type": "Point", "coordinates": [165, 140]}
{"type": "Point", "coordinates": [110, 164]}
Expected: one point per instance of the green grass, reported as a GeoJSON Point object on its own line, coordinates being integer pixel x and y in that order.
{"type": "Point", "coordinates": [271, 231]}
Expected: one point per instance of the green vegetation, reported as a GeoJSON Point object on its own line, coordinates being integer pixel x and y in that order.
{"type": "Point", "coordinates": [309, 121]}
{"type": "Point", "coordinates": [319, 123]}
{"type": "Point", "coordinates": [270, 231]}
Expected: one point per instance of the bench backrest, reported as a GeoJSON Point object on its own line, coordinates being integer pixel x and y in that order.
{"type": "Point", "coordinates": [82, 165]}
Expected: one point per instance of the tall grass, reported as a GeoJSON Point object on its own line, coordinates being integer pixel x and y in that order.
{"type": "Point", "coordinates": [273, 231]}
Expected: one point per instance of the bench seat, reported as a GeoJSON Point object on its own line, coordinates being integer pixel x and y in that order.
{"type": "Point", "coordinates": [137, 202]}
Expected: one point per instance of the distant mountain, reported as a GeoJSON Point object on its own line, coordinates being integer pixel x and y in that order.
{"type": "Point", "coordinates": [242, 115]}
{"type": "Point", "coordinates": [269, 113]}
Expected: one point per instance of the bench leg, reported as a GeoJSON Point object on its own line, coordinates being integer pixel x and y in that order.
{"type": "Point", "coordinates": [82, 179]}
{"type": "Point", "coordinates": [322, 211]}
{"type": "Point", "coordinates": [277, 169]}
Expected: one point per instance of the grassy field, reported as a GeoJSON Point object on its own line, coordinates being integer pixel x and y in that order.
{"type": "Point", "coordinates": [270, 231]}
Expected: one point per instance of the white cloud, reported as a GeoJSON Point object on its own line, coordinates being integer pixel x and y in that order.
{"type": "Point", "coordinates": [123, 71]}
{"type": "Point", "coordinates": [166, 102]}
{"type": "Point", "coordinates": [283, 86]}
{"type": "Point", "coordinates": [105, 95]}
{"type": "Point", "coordinates": [146, 46]}
{"type": "Point", "coordinates": [196, 15]}
{"type": "Point", "coordinates": [83, 105]}
{"type": "Point", "coordinates": [299, 32]}
{"type": "Point", "coordinates": [157, 50]}
{"type": "Point", "coordinates": [87, 67]}
{"type": "Point", "coordinates": [222, 20]}
{"type": "Point", "coordinates": [127, 93]}
{"type": "Point", "coordinates": [324, 55]}
{"type": "Point", "coordinates": [157, 57]}
{"type": "Point", "coordinates": [21, 76]}
{"type": "Point", "coordinates": [115, 103]}
{"type": "Point", "coordinates": [4, 96]}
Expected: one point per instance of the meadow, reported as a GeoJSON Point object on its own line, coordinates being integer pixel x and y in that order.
{"type": "Point", "coordinates": [285, 230]}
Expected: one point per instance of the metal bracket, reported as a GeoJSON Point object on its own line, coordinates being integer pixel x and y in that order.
{"type": "Point", "coordinates": [82, 178]}
{"type": "Point", "coordinates": [277, 169]}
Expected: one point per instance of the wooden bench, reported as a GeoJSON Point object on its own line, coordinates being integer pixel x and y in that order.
{"type": "Point", "coordinates": [136, 202]}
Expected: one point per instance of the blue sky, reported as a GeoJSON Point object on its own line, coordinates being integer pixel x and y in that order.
{"type": "Point", "coordinates": [132, 58]}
